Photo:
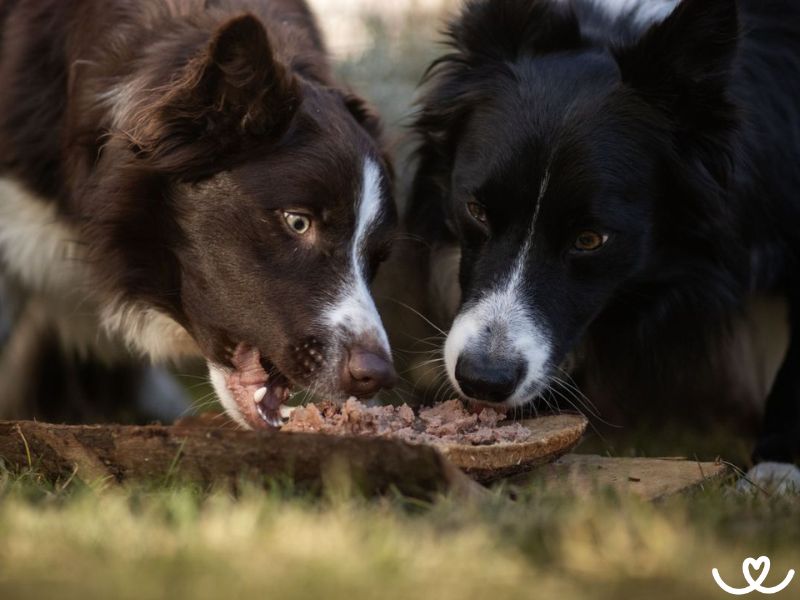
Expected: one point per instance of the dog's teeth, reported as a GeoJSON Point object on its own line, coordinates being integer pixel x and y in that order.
{"type": "Point", "coordinates": [286, 412]}
{"type": "Point", "coordinates": [260, 395]}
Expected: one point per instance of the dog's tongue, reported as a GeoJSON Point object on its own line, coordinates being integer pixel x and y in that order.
{"type": "Point", "coordinates": [251, 386]}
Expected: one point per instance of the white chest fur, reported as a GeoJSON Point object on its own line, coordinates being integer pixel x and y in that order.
{"type": "Point", "coordinates": [45, 257]}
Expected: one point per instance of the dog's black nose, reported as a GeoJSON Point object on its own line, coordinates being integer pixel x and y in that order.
{"type": "Point", "coordinates": [487, 379]}
{"type": "Point", "coordinates": [367, 372]}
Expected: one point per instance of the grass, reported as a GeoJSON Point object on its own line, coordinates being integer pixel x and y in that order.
{"type": "Point", "coordinates": [101, 541]}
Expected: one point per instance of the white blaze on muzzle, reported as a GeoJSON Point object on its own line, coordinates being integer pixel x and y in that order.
{"type": "Point", "coordinates": [354, 315]}
{"type": "Point", "coordinates": [501, 325]}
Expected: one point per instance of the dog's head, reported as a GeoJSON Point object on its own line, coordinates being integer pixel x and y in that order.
{"type": "Point", "coordinates": [571, 172]}
{"type": "Point", "coordinates": [262, 211]}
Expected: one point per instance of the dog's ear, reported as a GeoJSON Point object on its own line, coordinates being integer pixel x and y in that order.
{"type": "Point", "coordinates": [682, 66]}
{"type": "Point", "coordinates": [687, 58]}
{"type": "Point", "coordinates": [243, 80]}
{"type": "Point", "coordinates": [366, 115]}
{"type": "Point", "coordinates": [232, 94]}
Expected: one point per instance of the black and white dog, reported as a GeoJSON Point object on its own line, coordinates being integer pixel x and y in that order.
{"type": "Point", "coordinates": [620, 177]}
{"type": "Point", "coordinates": [185, 177]}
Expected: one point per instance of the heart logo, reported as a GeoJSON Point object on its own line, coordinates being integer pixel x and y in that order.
{"type": "Point", "coordinates": [754, 566]}
{"type": "Point", "coordinates": [762, 563]}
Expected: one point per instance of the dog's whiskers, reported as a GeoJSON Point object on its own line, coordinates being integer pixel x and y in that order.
{"type": "Point", "coordinates": [419, 314]}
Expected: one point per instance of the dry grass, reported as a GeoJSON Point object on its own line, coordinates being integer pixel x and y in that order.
{"type": "Point", "coordinates": [178, 542]}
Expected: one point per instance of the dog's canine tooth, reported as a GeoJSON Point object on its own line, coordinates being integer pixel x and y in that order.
{"type": "Point", "coordinates": [260, 395]}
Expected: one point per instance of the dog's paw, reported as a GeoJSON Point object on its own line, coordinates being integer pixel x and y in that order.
{"type": "Point", "coordinates": [772, 477]}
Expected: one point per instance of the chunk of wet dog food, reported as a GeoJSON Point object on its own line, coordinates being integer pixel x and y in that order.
{"type": "Point", "coordinates": [446, 423]}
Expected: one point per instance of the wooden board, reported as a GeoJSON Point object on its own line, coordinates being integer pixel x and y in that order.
{"type": "Point", "coordinates": [212, 456]}
{"type": "Point", "coordinates": [648, 478]}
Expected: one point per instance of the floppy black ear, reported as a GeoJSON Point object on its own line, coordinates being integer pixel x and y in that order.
{"type": "Point", "coordinates": [234, 93]}
{"type": "Point", "coordinates": [688, 57]}
{"type": "Point", "coordinates": [682, 66]}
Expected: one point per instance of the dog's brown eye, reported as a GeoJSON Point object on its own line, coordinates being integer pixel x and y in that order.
{"type": "Point", "coordinates": [590, 241]}
{"type": "Point", "coordinates": [299, 224]}
{"type": "Point", "coordinates": [478, 212]}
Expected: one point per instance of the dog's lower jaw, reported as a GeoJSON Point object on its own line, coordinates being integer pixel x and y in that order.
{"type": "Point", "coordinates": [219, 380]}
{"type": "Point", "coordinates": [250, 415]}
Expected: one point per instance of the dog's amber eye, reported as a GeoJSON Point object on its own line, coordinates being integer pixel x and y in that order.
{"type": "Point", "coordinates": [590, 241]}
{"type": "Point", "coordinates": [478, 212]}
{"type": "Point", "coordinates": [299, 224]}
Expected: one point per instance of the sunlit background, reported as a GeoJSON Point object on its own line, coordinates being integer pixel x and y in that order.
{"type": "Point", "coordinates": [347, 22]}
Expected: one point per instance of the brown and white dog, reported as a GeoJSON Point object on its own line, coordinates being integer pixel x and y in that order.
{"type": "Point", "coordinates": [185, 177]}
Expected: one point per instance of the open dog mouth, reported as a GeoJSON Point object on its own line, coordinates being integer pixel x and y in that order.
{"type": "Point", "coordinates": [258, 388]}
{"type": "Point", "coordinates": [253, 390]}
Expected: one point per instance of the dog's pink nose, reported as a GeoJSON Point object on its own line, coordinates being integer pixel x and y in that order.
{"type": "Point", "coordinates": [367, 372]}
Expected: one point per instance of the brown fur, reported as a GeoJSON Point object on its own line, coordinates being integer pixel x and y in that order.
{"type": "Point", "coordinates": [171, 135]}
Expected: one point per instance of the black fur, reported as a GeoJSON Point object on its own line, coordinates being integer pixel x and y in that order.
{"type": "Point", "coordinates": [681, 139]}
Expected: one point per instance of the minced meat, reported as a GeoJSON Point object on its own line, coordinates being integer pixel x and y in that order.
{"type": "Point", "coordinates": [446, 423]}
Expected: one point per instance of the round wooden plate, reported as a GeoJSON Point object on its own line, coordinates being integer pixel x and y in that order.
{"type": "Point", "coordinates": [553, 436]}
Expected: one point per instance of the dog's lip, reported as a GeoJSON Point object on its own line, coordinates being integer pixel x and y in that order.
{"type": "Point", "coordinates": [259, 389]}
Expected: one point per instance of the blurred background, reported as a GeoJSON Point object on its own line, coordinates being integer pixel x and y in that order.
{"type": "Point", "coordinates": [381, 49]}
